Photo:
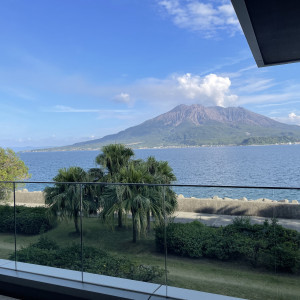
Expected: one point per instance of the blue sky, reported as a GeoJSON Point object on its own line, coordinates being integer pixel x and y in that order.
{"type": "Point", "coordinates": [74, 70]}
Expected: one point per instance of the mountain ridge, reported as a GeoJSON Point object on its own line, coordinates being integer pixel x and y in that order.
{"type": "Point", "coordinates": [216, 113]}
{"type": "Point", "coordinates": [197, 125]}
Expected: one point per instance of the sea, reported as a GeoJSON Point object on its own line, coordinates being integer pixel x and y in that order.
{"type": "Point", "coordinates": [256, 166]}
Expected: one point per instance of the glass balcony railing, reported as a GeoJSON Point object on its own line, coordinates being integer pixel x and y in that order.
{"type": "Point", "coordinates": [237, 241]}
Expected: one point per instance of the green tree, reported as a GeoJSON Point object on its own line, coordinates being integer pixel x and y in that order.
{"type": "Point", "coordinates": [93, 191]}
{"type": "Point", "coordinates": [12, 168]}
{"type": "Point", "coordinates": [141, 201]}
{"type": "Point", "coordinates": [161, 170]}
{"type": "Point", "coordinates": [113, 158]}
{"type": "Point", "coordinates": [64, 199]}
{"type": "Point", "coordinates": [132, 199]}
{"type": "Point", "coordinates": [162, 196]}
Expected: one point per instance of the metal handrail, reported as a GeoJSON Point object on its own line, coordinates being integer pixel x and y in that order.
{"type": "Point", "coordinates": [159, 184]}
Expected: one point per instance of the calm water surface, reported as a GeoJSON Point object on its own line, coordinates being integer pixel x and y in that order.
{"type": "Point", "coordinates": [250, 166]}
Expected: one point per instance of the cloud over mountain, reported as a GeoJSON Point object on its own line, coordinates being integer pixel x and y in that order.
{"type": "Point", "coordinates": [211, 88]}
{"type": "Point", "coordinates": [188, 88]}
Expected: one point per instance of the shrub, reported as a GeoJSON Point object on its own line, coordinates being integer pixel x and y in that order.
{"type": "Point", "coordinates": [47, 252]}
{"type": "Point", "coordinates": [29, 220]}
{"type": "Point", "coordinates": [182, 239]}
{"type": "Point", "coordinates": [269, 245]}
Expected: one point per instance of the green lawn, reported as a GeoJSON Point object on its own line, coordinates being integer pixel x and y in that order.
{"type": "Point", "coordinates": [233, 279]}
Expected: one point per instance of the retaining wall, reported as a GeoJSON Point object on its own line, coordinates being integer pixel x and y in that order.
{"type": "Point", "coordinates": [23, 197]}
{"type": "Point", "coordinates": [243, 207]}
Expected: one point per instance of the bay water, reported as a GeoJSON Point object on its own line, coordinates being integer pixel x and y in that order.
{"type": "Point", "coordinates": [272, 165]}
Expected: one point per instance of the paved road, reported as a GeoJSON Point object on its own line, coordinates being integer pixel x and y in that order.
{"type": "Point", "coordinates": [222, 220]}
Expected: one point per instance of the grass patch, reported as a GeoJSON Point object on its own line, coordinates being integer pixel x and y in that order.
{"type": "Point", "coordinates": [232, 279]}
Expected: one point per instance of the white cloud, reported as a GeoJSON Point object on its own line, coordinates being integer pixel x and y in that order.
{"type": "Point", "coordinates": [211, 88]}
{"type": "Point", "coordinates": [295, 119]}
{"type": "Point", "coordinates": [185, 89]}
{"type": "Point", "coordinates": [202, 17]}
{"type": "Point", "coordinates": [292, 118]}
{"type": "Point", "coordinates": [124, 98]}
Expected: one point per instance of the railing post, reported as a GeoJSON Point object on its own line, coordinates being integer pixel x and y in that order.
{"type": "Point", "coordinates": [15, 225]}
{"type": "Point", "coordinates": [81, 237]}
{"type": "Point", "coordinates": [165, 239]}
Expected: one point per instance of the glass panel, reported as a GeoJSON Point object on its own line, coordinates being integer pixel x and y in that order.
{"type": "Point", "coordinates": [113, 246]}
{"type": "Point", "coordinates": [48, 229]}
{"type": "Point", "coordinates": [220, 243]}
{"type": "Point", "coordinates": [238, 242]}
{"type": "Point", "coordinates": [285, 246]}
{"type": "Point", "coordinates": [7, 222]}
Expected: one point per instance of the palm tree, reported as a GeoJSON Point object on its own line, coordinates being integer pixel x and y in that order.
{"type": "Point", "coordinates": [65, 198]}
{"type": "Point", "coordinates": [93, 191]}
{"type": "Point", "coordinates": [113, 158]}
{"type": "Point", "coordinates": [162, 197]}
{"type": "Point", "coordinates": [111, 203]}
{"type": "Point", "coordinates": [136, 198]}
{"type": "Point", "coordinates": [141, 201]}
{"type": "Point", "coordinates": [132, 198]}
{"type": "Point", "coordinates": [160, 170]}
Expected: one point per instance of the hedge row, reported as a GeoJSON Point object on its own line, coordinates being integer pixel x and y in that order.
{"type": "Point", "coordinates": [29, 220]}
{"type": "Point", "coordinates": [46, 252]}
{"type": "Point", "coordinates": [269, 245]}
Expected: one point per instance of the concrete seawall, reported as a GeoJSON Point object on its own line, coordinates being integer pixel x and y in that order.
{"type": "Point", "coordinates": [240, 207]}
{"type": "Point", "coordinates": [23, 197]}
{"type": "Point", "coordinates": [219, 206]}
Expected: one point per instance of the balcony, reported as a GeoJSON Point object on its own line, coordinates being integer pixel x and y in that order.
{"type": "Point", "coordinates": [220, 242]}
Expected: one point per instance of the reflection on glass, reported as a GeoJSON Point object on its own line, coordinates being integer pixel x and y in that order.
{"type": "Point", "coordinates": [236, 241]}
{"type": "Point", "coordinates": [203, 239]}
{"type": "Point", "coordinates": [47, 224]}
{"type": "Point", "coordinates": [119, 234]}
{"type": "Point", "coordinates": [7, 222]}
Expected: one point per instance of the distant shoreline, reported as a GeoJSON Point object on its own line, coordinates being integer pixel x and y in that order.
{"type": "Point", "coordinates": [163, 147]}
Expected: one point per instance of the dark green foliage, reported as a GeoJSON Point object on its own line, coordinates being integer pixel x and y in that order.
{"type": "Point", "coordinates": [141, 201]}
{"type": "Point", "coordinates": [47, 252]}
{"type": "Point", "coordinates": [29, 220]}
{"type": "Point", "coordinates": [113, 158]}
{"type": "Point", "coordinates": [269, 245]}
{"type": "Point", "coordinates": [184, 239]}
{"type": "Point", "coordinates": [269, 140]}
{"type": "Point", "coordinates": [64, 199]}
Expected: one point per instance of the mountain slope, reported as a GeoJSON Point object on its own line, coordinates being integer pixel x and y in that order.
{"type": "Point", "coordinates": [196, 125]}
